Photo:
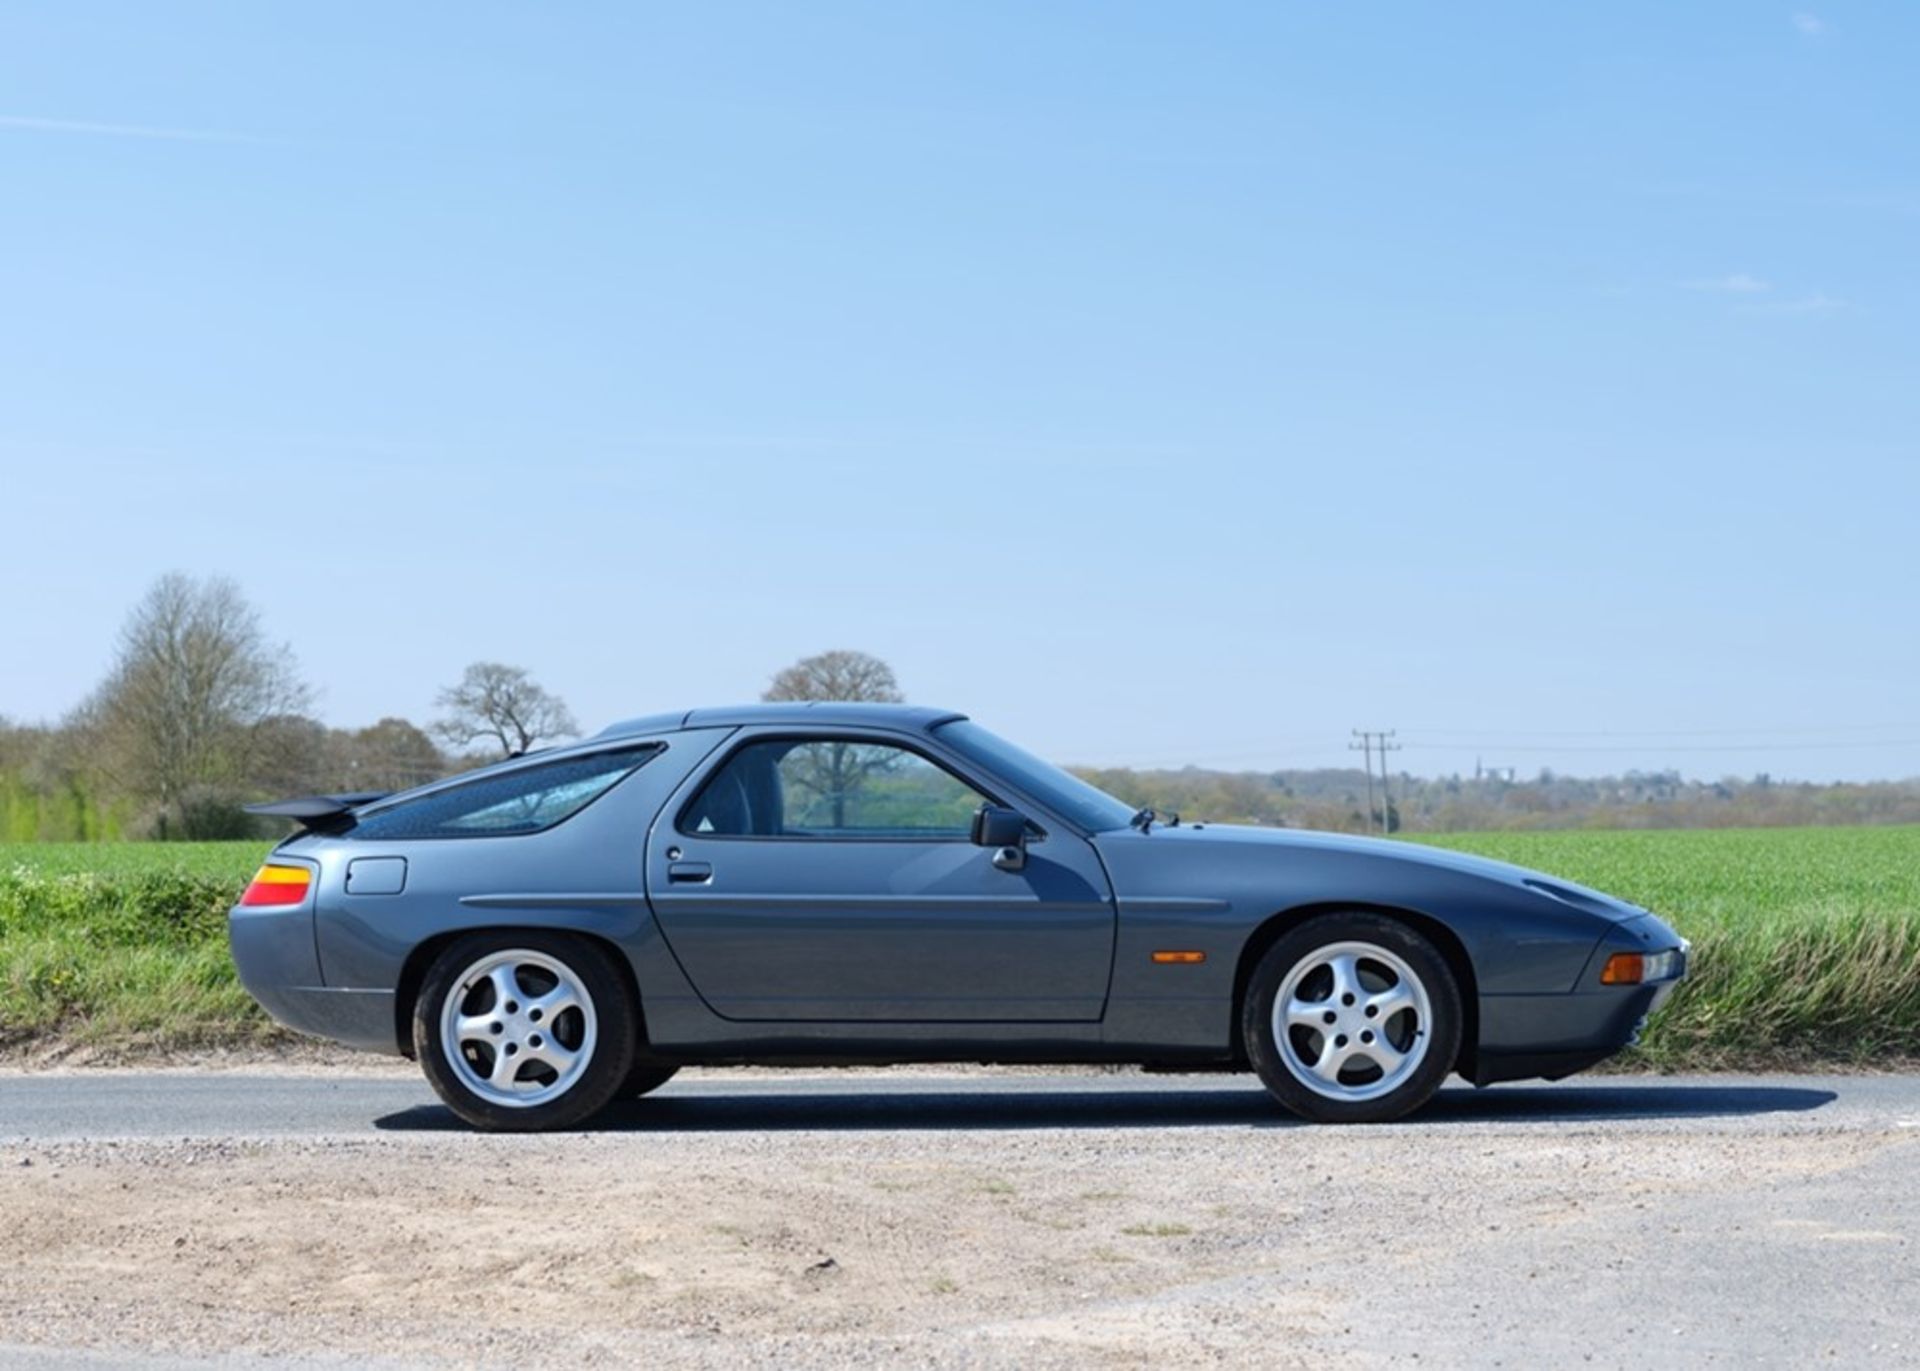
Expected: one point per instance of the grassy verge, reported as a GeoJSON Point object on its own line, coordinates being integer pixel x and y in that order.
{"type": "Point", "coordinates": [1806, 941]}
{"type": "Point", "coordinates": [121, 948]}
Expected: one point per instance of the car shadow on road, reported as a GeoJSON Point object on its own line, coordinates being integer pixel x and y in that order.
{"type": "Point", "coordinates": [770, 1110]}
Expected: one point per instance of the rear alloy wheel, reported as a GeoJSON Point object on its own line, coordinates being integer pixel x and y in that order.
{"type": "Point", "coordinates": [1352, 1018]}
{"type": "Point", "coordinates": [521, 1032]}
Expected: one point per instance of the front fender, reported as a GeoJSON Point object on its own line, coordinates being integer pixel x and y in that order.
{"type": "Point", "coordinates": [1178, 890]}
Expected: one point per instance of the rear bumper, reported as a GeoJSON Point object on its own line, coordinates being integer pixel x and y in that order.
{"type": "Point", "coordinates": [274, 953]}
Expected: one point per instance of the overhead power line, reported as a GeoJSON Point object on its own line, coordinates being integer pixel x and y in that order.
{"type": "Point", "coordinates": [1681, 748]}
{"type": "Point", "coordinates": [1268, 753]}
{"type": "Point", "coordinates": [1633, 733]}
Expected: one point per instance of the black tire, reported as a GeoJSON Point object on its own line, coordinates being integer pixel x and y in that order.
{"type": "Point", "coordinates": [598, 1077]}
{"type": "Point", "coordinates": [1346, 1098]}
{"type": "Point", "coordinates": [645, 1077]}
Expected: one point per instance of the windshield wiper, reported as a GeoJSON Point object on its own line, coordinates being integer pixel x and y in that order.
{"type": "Point", "coordinates": [1145, 819]}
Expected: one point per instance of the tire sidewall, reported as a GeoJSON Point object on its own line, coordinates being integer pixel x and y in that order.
{"type": "Point", "coordinates": [613, 1049]}
{"type": "Point", "coordinates": [1443, 1032]}
{"type": "Point", "coordinates": [645, 1077]}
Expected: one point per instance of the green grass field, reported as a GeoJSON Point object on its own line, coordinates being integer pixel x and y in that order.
{"type": "Point", "coordinates": [229, 862]}
{"type": "Point", "coordinates": [1806, 941]}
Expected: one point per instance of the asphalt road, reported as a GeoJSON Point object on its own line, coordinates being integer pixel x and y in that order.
{"type": "Point", "coordinates": [102, 1104]}
{"type": "Point", "coordinates": [1611, 1221]}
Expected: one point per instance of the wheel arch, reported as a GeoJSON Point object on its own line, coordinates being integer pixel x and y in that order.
{"type": "Point", "coordinates": [413, 973]}
{"type": "Point", "coordinates": [1444, 939]}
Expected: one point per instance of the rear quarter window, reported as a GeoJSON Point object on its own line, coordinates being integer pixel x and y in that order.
{"type": "Point", "coordinates": [527, 799]}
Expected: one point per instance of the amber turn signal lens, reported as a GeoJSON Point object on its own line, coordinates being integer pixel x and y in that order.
{"type": "Point", "coordinates": [1165, 957]}
{"type": "Point", "coordinates": [1624, 968]}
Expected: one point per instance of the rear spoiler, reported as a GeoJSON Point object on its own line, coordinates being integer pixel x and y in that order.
{"type": "Point", "coordinates": [320, 813]}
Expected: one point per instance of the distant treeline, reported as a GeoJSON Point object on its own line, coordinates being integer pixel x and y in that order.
{"type": "Point", "coordinates": [62, 785]}
{"type": "Point", "coordinates": [54, 788]}
{"type": "Point", "coordinates": [1338, 799]}
{"type": "Point", "coordinates": [200, 713]}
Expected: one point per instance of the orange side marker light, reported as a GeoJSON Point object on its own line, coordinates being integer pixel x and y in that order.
{"type": "Point", "coordinates": [1624, 968]}
{"type": "Point", "coordinates": [1179, 957]}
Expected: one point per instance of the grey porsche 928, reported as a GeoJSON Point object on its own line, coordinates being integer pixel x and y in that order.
{"type": "Point", "coordinates": [837, 883]}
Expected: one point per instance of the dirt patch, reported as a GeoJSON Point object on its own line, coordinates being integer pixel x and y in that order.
{"type": "Point", "coordinates": [1036, 1247]}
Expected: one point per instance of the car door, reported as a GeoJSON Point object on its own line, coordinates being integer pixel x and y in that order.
{"type": "Point", "coordinates": [829, 876]}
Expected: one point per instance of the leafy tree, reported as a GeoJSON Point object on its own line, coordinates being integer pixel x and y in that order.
{"type": "Point", "coordinates": [291, 758]}
{"type": "Point", "coordinates": [835, 772]}
{"type": "Point", "coordinates": [189, 705]}
{"type": "Point", "coordinates": [837, 675]}
{"type": "Point", "coordinates": [505, 705]}
{"type": "Point", "coordinates": [391, 755]}
{"type": "Point", "coordinates": [838, 770]}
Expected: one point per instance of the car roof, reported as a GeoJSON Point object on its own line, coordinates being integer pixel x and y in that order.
{"type": "Point", "coordinates": [812, 713]}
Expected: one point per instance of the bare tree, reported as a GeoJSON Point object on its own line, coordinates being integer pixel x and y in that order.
{"type": "Point", "coordinates": [194, 693]}
{"type": "Point", "coordinates": [837, 675]}
{"type": "Point", "coordinates": [504, 704]}
{"type": "Point", "coordinates": [838, 770]}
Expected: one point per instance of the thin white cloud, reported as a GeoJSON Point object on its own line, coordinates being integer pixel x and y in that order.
{"type": "Point", "coordinates": [1812, 25]}
{"type": "Point", "coordinates": [28, 124]}
{"type": "Point", "coordinates": [1819, 302]}
{"type": "Point", "coordinates": [1734, 283]}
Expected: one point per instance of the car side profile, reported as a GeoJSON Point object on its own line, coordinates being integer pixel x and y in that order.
{"type": "Point", "coordinates": [809, 884]}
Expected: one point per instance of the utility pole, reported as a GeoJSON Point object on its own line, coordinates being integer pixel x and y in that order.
{"type": "Point", "coordinates": [1386, 798]}
{"type": "Point", "coordinates": [1367, 745]}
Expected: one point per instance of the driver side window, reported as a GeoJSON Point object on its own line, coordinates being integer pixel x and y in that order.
{"type": "Point", "coordinates": [831, 788]}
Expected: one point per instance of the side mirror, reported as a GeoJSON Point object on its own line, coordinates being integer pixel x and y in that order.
{"type": "Point", "coordinates": [1005, 831]}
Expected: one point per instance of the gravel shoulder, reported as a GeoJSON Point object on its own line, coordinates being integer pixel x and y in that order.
{"type": "Point", "coordinates": [951, 1219]}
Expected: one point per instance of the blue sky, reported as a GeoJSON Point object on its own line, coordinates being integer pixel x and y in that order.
{"type": "Point", "coordinates": [1159, 383]}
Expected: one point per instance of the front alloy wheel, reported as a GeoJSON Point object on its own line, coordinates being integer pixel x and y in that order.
{"type": "Point", "coordinates": [646, 1077]}
{"type": "Point", "coordinates": [1352, 1018]}
{"type": "Point", "coordinates": [524, 1031]}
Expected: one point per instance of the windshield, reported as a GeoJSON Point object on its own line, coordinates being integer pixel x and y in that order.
{"type": "Point", "coordinates": [1089, 806]}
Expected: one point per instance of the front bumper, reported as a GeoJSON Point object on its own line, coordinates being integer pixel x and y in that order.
{"type": "Point", "coordinates": [274, 953]}
{"type": "Point", "coordinates": [1555, 1035]}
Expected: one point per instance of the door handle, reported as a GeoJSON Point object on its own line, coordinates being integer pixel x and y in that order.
{"type": "Point", "coordinates": [689, 873]}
